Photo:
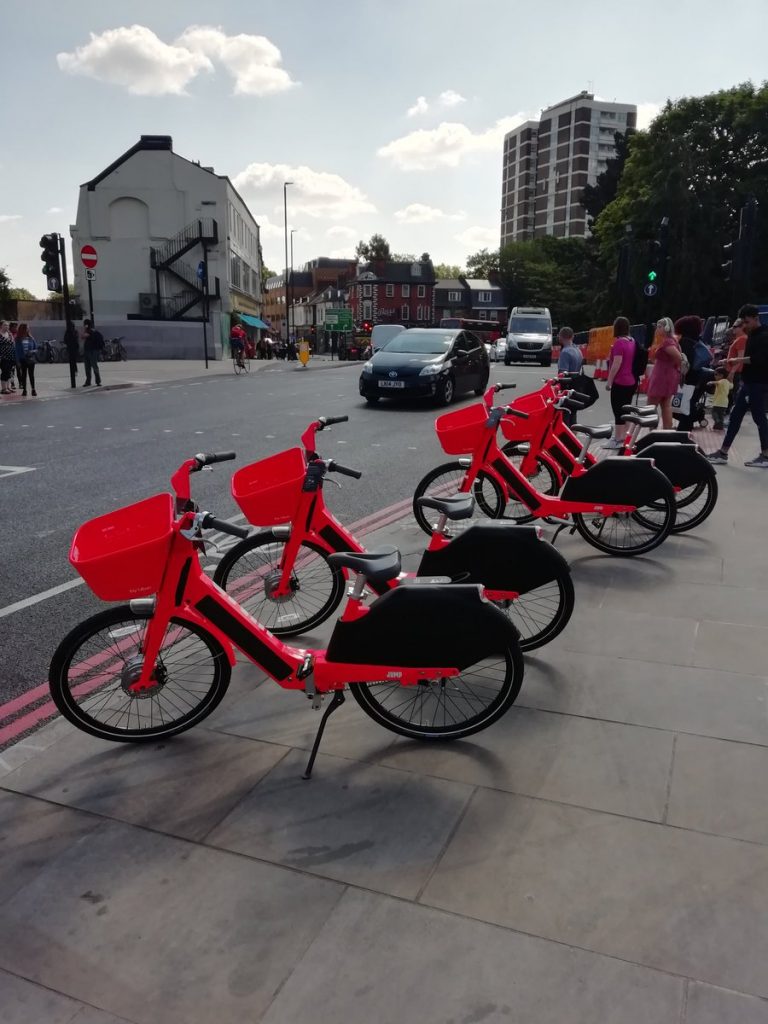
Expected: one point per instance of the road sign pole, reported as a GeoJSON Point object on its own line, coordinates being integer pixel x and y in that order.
{"type": "Point", "coordinates": [90, 301]}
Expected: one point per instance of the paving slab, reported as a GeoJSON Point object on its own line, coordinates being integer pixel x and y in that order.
{"type": "Point", "coordinates": [680, 901]}
{"type": "Point", "coordinates": [720, 787]}
{"type": "Point", "coordinates": [22, 1002]}
{"type": "Point", "coordinates": [651, 638]}
{"type": "Point", "coordinates": [382, 960]}
{"type": "Point", "coordinates": [727, 645]}
{"type": "Point", "coordinates": [156, 929]}
{"type": "Point", "coordinates": [366, 825]}
{"type": "Point", "coordinates": [182, 786]}
{"type": "Point", "coordinates": [610, 767]}
{"type": "Point", "coordinates": [709, 1005]}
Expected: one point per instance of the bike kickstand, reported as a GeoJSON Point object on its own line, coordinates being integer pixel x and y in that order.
{"type": "Point", "coordinates": [338, 700]}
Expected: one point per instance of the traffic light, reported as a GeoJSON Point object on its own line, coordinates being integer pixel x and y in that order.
{"type": "Point", "coordinates": [367, 327]}
{"type": "Point", "coordinates": [51, 264]}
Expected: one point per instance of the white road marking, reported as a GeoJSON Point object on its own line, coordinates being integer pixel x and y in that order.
{"type": "Point", "coordinates": [49, 427]}
{"type": "Point", "coordinates": [198, 431]}
{"type": "Point", "coordinates": [15, 470]}
{"type": "Point", "coordinates": [412, 448]}
{"type": "Point", "coordinates": [167, 431]}
{"type": "Point", "coordinates": [134, 429]}
{"type": "Point", "coordinates": [375, 445]}
{"type": "Point", "coordinates": [78, 428]}
{"type": "Point", "coordinates": [270, 437]}
{"type": "Point", "coordinates": [107, 428]}
{"type": "Point", "coordinates": [195, 385]}
{"type": "Point", "coordinates": [37, 598]}
{"type": "Point", "coordinates": [341, 442]}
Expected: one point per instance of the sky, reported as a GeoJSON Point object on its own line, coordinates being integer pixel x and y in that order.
{"type": "Point", "coordinates": [387, 116]}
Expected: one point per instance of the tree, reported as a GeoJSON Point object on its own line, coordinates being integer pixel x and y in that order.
{"type": "Point", "coordinates": [265, 274]}
{"type": "Point", "coordinates": [447, 271]}
{"type": "Point", "coordinates": [697, 164]}
{"type": "Point", "coordinates": [483, 263]}
{"type": "Point", "coordinates": [596, 197]}
{"type": "Point", "coordinates": [5, 285]}
{"type": "Point", "coordinates": [22, 295]}
{"type": "Point", "coordinates": [555, 272]}
{"type": "Point", "coordinates": [402, 257]}
{"type": "Point", "coordinates": [377, 248]}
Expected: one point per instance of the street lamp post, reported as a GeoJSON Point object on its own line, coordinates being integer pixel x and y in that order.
{"type": "Point", "coordinates": [285, 280]}
{"type": "Point", "coordinates": [292, 320]}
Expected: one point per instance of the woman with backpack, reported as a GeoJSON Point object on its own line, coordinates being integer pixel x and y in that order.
{"type": "Point", "coordinates": [26, 347]}
{"type": "Point", "coordinates": [698, 357]}
{"type": "Point", "coordinates": [622, 380]}
{"type": "Point", "coordinates": [665, 375]}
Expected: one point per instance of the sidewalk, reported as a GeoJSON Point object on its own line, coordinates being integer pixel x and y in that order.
{"type": "Point", "coordinates": [600, 855]}
{"type": "Point", "coordinates": [52, 379]}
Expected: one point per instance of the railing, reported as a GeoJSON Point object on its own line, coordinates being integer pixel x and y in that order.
{"type": "Point", "coordinates": [203, 230]}
{"type": "Point", "coordinates": [186, 272]}
{"type": "Point", "coordinates": [178, 304]}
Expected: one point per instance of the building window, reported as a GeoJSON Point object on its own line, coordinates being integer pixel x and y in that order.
{"type": "Point", "coordinates": [367, 291]}
{"type": "Point", "coordinates": [421, 291]}
{"type": "Point", "coordinates": [406, 291]}
{"type": "Point", "coordinates": [367, 310]}
{"type": "Point", "coordinates": [234, 271]}
{"type": "Point", "coordinates": [454, 296]}
{"type": "Point", "coordinates": [483, 314]}
{"type": "Point", "coordinates": [404, 313]}
{"type": "Point", "coordinates": [419, 312]}
{"type": "Point", "coordinates": [390, 291]}
{"type": "Point", "coordinates": [486, 297]}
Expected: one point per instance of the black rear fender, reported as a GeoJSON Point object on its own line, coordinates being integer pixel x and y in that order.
{"type": "Point", "coordinates": [681, 464]}
{"type": "Point", "coordinates": [619, 481]}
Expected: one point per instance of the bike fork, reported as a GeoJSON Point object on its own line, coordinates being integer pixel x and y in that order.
{"type": "Point", "coordinates": [338, 700]}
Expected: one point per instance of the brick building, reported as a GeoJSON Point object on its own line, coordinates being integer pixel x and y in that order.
{"type": "Point", "coordinates": [386, 292]}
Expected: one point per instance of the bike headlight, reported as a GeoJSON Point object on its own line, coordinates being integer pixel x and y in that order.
{"type": "Point", "coordinates": [431, 370]}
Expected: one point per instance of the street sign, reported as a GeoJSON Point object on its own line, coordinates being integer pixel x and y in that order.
{"type": "Point", "coordinates": [201, 270]}
{"type": "Point", "coordinates": [650, 290]}
{"type": "Point", "coordinates": [339, 319]}
{"type": "Point", "coordinates": [89, 257]}
{"type": "Point", "coordinates": [90, 275]}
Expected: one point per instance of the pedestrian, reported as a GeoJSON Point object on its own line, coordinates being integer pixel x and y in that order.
{"type": "Point", "coordinates": [25, 347]}
{"type": "Point", "coordinates": [13, 328]}
{"type": "Point", "coordinates": [73, 350]}
{"type": "Point", "coordinates": [721, 393]}
{"type": "Point", "coordinates": [570, 358]}
{"type": "Point", "coordinates": [93, 344]}
{"type": "Point", "coordinates": [665, 375]}
{"type": "Point", "coordinates": [753, 390]}
{"type": "Point", "coordinates": [698, 357]}
{"type": "Point", "coordinates": [7, 358]}
{"type": "Point", "coordinates": [621, 382]}
{"type": "Point", "coordinates": [738, 341]}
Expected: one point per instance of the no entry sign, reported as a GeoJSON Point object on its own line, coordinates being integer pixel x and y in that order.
{"type": "Point", "coordinates": [89, 257]}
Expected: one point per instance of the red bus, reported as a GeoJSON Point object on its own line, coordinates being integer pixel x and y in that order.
{"type": "Point", "coordinates": [486, 330]}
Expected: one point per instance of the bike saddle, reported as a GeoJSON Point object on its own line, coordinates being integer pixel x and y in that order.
{"type": "Point", "coordinates": [377, 566]}
{"type": "Point", "coordinates": [638, 410]}
{"type": "Point", "coordinates": [641, 421]}
{"type": "Point", "coordinates": [460, 506]}
{"type": "Point", "coordinates": [604, 430]}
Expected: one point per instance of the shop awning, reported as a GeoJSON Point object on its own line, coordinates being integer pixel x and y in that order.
{"type": "Point", "coordinates": [253, 321]}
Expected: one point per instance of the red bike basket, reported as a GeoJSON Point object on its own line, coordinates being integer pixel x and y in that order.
{"type": "Point", "coordinates": [461, 432]}
{"type": "Point", "coordinates": [269, 491]}
{"type": "Point", "coordinates": [515, 429]}
{"type": "Point", "coordinates": [123, 555]}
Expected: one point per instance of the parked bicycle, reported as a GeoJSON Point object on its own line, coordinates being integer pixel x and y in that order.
{"type": "Point", "coordinates": [429, 662]}
{"type": "Point", "coordinates": [286, 579]}
{"type": "Point", "coordinates": [114, 350]}
{"type": "Point", "coordinates": [46, 352]}
{"type": "Point", "coordinates": [620, 506]}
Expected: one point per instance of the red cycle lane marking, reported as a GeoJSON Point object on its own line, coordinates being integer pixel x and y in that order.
{"type": "Point", "coordinates": [37, 716]}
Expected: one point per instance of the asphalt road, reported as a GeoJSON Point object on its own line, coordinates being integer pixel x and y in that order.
{"type": "Point", "coordinates": [88, 454]}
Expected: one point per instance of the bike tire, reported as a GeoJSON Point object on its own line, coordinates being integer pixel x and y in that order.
{"type": "Point", "coordinates": [489, 496]}
{"type": "Point", "coordinates": [108, 696]}
{"type": "Point", "coordinates": [687, 517]}
{"type": "Point", "coordinates": [121, 351]}
{"type": "Point", "coordinates": [657, 530]}
{"type": "Point", "coordinates": [244, 566]}
{"type": "Point", "coordinates": [543, 613]}
{"type": "Point", "coordinates": [372, 696]}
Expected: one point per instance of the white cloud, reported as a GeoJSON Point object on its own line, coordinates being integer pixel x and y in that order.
{"type": "Point", "coordinates": [134, 57]}
{"type": "Point", "coordinates": [341, 231]}
{"type": "Point", "coordinates": [314, 193]}
{"type": "Point", "coordinates": [646, 112]}
{"type": "Point", "coordinates": [419, 213]}
{"type": "Point", "coordinates": [55, 209]}
{"type": "Point", "coordinates": [447, 145]}
{"type": "Point", "coordinates": [419, 107]}
{"type": "Point", "coordinates": [476, 237]}
{"type": "Point", "coordinates": [5, 217]}
{"type": "Point", "coordinates": [137, 59]}
{"type": "Point", "coordinates": [253, 61]}
{"type": "Point", "coordinates": [451, 98]}
{"type": "Point", "coordinates": [343, 254]}
{"type": "Point", "coordinates": [267, 229]}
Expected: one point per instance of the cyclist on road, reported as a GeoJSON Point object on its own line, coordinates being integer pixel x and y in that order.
{"type": "Point", "coordinates": [237, 343]}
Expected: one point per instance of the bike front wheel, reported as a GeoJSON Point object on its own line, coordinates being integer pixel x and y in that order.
{"type": "Point", "coordinates": [250, 573]}
{"type": "Point", "coordinates": [445, 481]}
{"type": "Point", "coordinates": [94, 666]}
{"type": "Point", "coordinates": [629, 533]}
{"type": "Point", "coordinates": [694, 504]}
{"type": "Point", "coordinates": [446, 709]}
{"type": "Point", "coordinates": [541, 614]}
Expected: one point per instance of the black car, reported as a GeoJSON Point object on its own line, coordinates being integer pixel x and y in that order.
{"type": "Point", "coordinates": [427, 362]}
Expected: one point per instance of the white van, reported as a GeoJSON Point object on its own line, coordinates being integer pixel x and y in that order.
{"type": "Point", "coordinates": [529, 336]}
{"type": "Point", "coordinates": [384, 333]}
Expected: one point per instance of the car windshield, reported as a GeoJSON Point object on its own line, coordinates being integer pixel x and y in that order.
{"type": "Point", "coordinates": [529, 325]}
{"type": "Point", "coordinates": [420, 341]}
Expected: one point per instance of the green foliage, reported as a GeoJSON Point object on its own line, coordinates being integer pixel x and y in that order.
{"type": "Point", "coordinates": [5, 285]}
{"type": "Point", "coordinates": [448, 271]}
{"type": "Point", "coordinates": [554, 272]}
{"type": "Point", "coordinates": [377, 248]}
{"type": "Point", "coordinates": [403, 257]}
{"type": "Point", "coordinates": [22, 295]}
{"type": "Point", "coordinates": [483, 263]}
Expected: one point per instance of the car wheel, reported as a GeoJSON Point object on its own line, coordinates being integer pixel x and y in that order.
{"type": "Point", "coordinates": [547, 362]}
{"type": "Point", "coordinates": [506, 361]}
{"type": "Point", "coordinates": [445, 392]}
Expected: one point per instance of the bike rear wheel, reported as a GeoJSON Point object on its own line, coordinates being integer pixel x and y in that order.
{"type": "Point", "coordinates": [446, 480]}
{"type": "Point", "coordinates": [541, 614]}
{"type": "Point", "coordinates": [250, 571]}
{"type": "Point", "coordinates": [94, 665]}
{"type": "Point", "coordinates": [447, 709]}
{"type": "Point", "coordinates": [629, 533]}
{"type": "Point", "coordinates": [694, 505]}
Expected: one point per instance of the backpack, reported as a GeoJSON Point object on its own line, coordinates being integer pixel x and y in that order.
{"type": "Point", "coordinates": [97, 340]}
{"type": "Point", "coordinates": [639, 361]}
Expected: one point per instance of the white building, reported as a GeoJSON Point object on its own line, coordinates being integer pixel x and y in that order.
{"type": "Point", "coordinates": [547, 164]}
{"type": "Point", "coordinates": [154, 217]}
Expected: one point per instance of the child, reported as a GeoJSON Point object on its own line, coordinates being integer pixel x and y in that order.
{"type": "Point", "coordinates": [721, 392]}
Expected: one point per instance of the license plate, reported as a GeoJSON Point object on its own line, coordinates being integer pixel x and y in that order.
{"type": "Point", "coordinates": [529, 357]}
{"type": "Point", "coordinates": [391, 383]}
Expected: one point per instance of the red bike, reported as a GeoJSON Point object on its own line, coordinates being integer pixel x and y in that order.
{"type": "Point", "coordinates": [620, 506]}
{"type": "Point", "coordinates": [428, 662]}
{"type": "Point", "coordinates": [547, 450]}
{"type": "Point", "coordinates": [286, 579]}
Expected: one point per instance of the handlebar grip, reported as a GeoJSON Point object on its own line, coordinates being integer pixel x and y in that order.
{"type": "Point", "coordinates": [328, 421]}
{"type": "Point", "coordinates": [510, 411]}
{"type": "Point", "coordinates": [209, 458]}
{"type": "Point", "coordinates": [504, 387]}
{"type": "Point", "coordinates": [210, 522]}
{"type": "Point", "coordinates": [334, 467]}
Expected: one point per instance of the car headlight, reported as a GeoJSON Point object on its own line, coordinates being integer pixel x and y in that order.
{"type": "Point", "coordinates": [431, 370]}
{"type": "Point", "coordinates": [368, 367]}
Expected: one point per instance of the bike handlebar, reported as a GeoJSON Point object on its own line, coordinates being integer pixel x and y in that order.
{"type": "Point", "coordinates": [511, 411]}
{"type": "Point", "coordinates": [334, 467]}
{"type": "Point", "coordinates": [210, 522]}
{"type": "Point", "coordinates": [329, 421]}
{"type": "Point", "coordinates": [503, 387]}
{"type": "Point", "coordinates": [209, 458]}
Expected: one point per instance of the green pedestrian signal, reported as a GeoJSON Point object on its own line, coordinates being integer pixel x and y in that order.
{"type": "Point", "coordinates": [652, 275]}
